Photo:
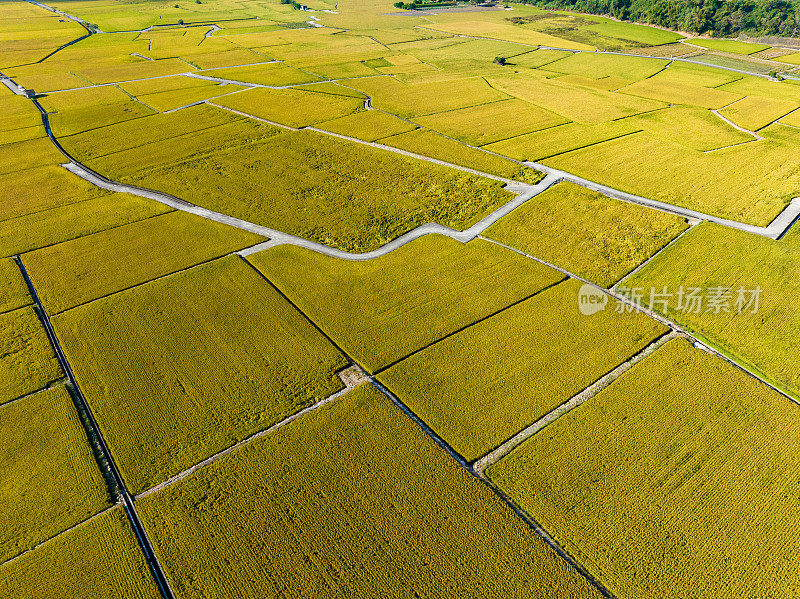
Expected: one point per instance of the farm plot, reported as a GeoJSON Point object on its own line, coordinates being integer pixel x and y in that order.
{"type": "Point", "coordinates": [696, 128]}
{"type": "Point", "coordinates": [51, 480]}
{"type": "Point", "coordinates": [732, 46]}
{"type": "Point", "coordinates": [674, 481]}
{"type": "Point", "coordinates": [596, 237]}
{"type": "Point", "coordinates": [292, 107]}
{"type": "Point", "coordinates": [27, 362]}
{"type": "Point", "coordinates": [581, 104]}
{"type": "Point", "coordinates": [336, 192]}
{"type": "Point", "coordinates": [165, 401]}
{"type": "Point", "coordinates": [595, 66]}
{"type": "Point", "coordinates": [370, 125]}
{"type": "Point", "coordinates": [713, 256]}
{"type": "Point", "coordinates": [481, 125]}
{"type": "Point", "coordinates": [754, 113]}
{"type": "Point", "coordinates": [693, 86]}
{"type": "Point", "coordinates": [13, 290]}
{"type": "Point", "coordinates": [49, 227]}
{"type": "Point", "coordinates": [16, 157]}
{"type": "Point", "coordinates": [407, 101]}
{"type": "Point", "coordinates": [97, 72]}
{"type": "Point", "coordinates": [538, 58]}
{"type": "Point", "coordinates": [97, 560]}
{"type": "Point", "coordinates": [163, 131]}
{"type": "Point", "coordinates": [18, 114]}
{"type": "Point", "coordinates": [273, 74]}
{"type": "Point", "coordinates": [481, 386]}
{"type": "Point", "coordinates": [41, 188]}
{"type": "Point", "coordinates": [507, 32]}
{"type": "Point", "coordinates": [382, 310]}
{"type": "Point", "coordinates": [756, 86]}
{"type": "Point", "coordinates": [749, 182]}
{"type": "Point", "coordinates": [355, 461]}
{"type": "Point", "coordinates": [83, 269]}
{"type": "Point", "coordinates": [563, 138]}
{"type": "Point", "coordinates": [429, 143]}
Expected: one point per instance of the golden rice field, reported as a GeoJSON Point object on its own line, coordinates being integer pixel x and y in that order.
{"type": "Point", "coordinates": [676, 477]}
{"type": "Point", "coordinates": [51, 480]}
{"type": "Point", "coordinates": [28, 362]}
{"type": "Point", "coordinates": [64, 223]}
{"type": "Point", "coordinates": [97, 560]}
{"type": "Point", "coordinates": [381, 310]}
{"type": "Point", "coordinates": [164, 401]}
{"type": "Point", "coordinates": [345, 509]}
{"type": "Point", "coordinates": [83, 269]}
{"type": "Point", "coordinates": [370, 125]}
{"type": "Point", "coordinates": [594, 236]}
{"type": "Point", "coordinates": [754, 113]}
{"type": "Point", "coordinates": [13, 290]}
{"type": "Point", "coordinates": [483, 385]}
{"type": "Point", "coordinates": [272, 74]}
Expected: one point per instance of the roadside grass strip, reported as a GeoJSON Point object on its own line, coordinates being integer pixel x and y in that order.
{"type": "Point", "coordinates": [99, 559]}
{"type": "Point", "coordinates": [344, 492]}
{"type": "Point", "coordinates": [343, 194]}
{"type": "Point", "coordinates": [486, 383]}
{"type": "Point", "coordinates": [13, 290]}
{"type": "Point", "coordinates": [604, 240]}
{"type": "Point", "coordinates": [753, 113]}
{"type": "Point", "coordinates": [419, 99]}
{"type": "Point", "coordinates": [27, 361]}
{"type": "Point", "coordinates": [81, 270]}
{"type": "Point", "coordinates": [51, 480]}
{"type": "Point", "coordinates": [429, 143]}
{"type": "Point", "coordinates": [291, 107]}
{"type": "Point", "coordinates": [380, 311]}
{"type": "Point", "coordinates": [750, 182]}
{"type": "Point", "coordinates": [185, 366]}
{"type": "Point", "coordinates": [56, 225]}
{"type": "Point", "coordinates": [481, 125]}
{"type": "Point", "coordinates": [711, 257]}
{"type": "Point", "coordinates": [673, 481]}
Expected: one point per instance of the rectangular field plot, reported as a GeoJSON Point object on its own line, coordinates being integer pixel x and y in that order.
{"type": "Point", "coordinates": [356, 489]}
{"type": "Point", "coordinates": [481, 125]}
{"type": "Point", "coordinates": [749, 182]}
{"type": "Point", "coordinates": [13, 290]}
{"type": "Point", "coordinates": [370, 125]}
{"type": "Point", "coordinates": [683, 84]}
{"type": "Point", "coordinates": [291, 107]}
{"type": "Point", "coordinates": [483, 385]}
{"type": "Point", "coordinates": [273, 74]}
{"type": "Point", "coordinates": [51, 480]}
{"type": "Point", "coordinates": [594, 236]}
{"type": "Point", "coordinates": [433, 145]}
{"type": "Point", "coordinates": [339, 193]}
{"type": "Point", "coordinates": [675, 481]}
{"type": "Point", "coordinates": [93, 266]}
{"type": "Point", "coordinates": [28, 362]}
{"type": "Point", "coordinates": [576, 103]}
{"type": "Point", "coordinates": [97, 560]}
{"type": "Point", "coordinates": [732, 46]}
{"type": "Point", "coordinates": [426, 98]}
{"type": "Point", "coordinates": [186, 366]}
{"type": "Point", "coordinates": [754, 113]}
{"type": "Point", "coordinates": [588, 64]}
{"type": "Point", "coordinates": [381, 310]}
{"type": "Point", "coordinates": [714, 256]}
{"type": "Point", "coordinates": [49, 227]}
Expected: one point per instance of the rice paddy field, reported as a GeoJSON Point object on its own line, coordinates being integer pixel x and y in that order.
{"type": "Point", "coordinates": [403, 523]}
{"type": "Point", "coordinates": [484, 384]}
{"type": "Point", "coordinates": [224, 368]}
{"type": "Point", "coordinates": [676, 477]}
{"type": "Point", "coordinates": [606, 238]}
{"type": "Point", "coordinates": [379, 311]}
{"type": "Point", "coordinates": [99, 558]}
{"type": "Point", "coordinates": [163, 401]}
{"type": "Point", "coordinates": [51, 480]}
